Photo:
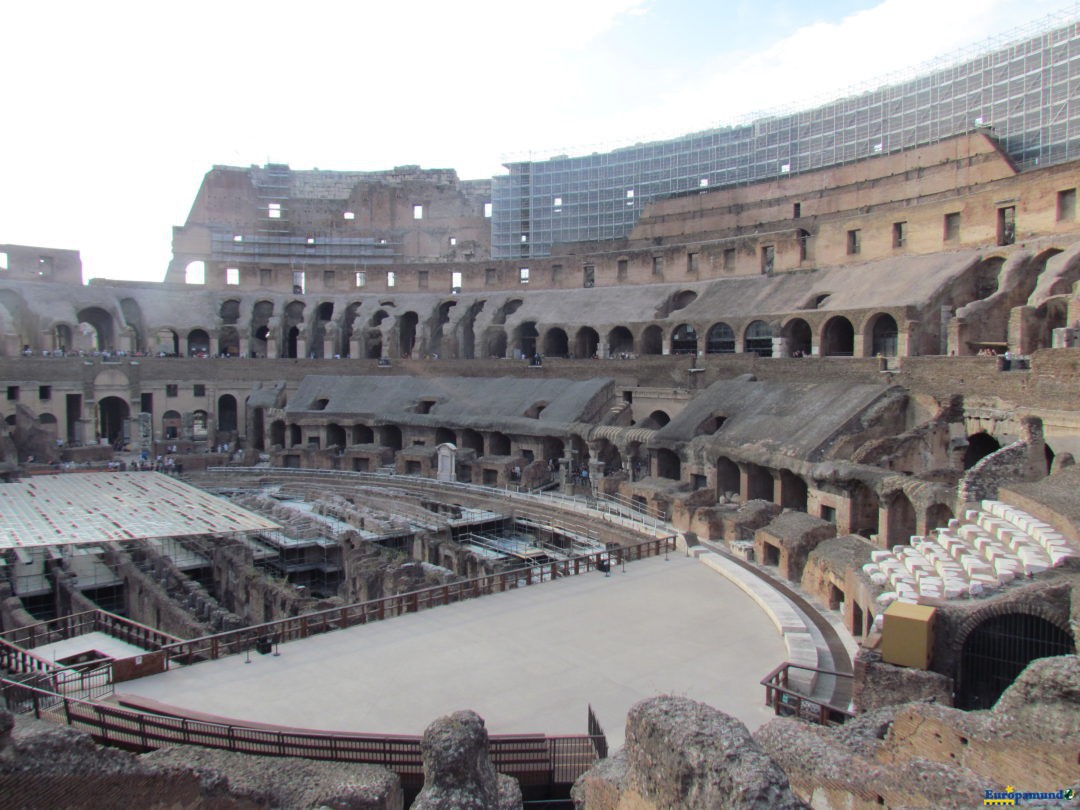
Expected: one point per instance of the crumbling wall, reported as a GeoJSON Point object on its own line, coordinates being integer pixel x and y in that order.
{"type": "Point", "coordinates": [681, 753]}
{"type": "Point", "coordinates": [1024, 460]}
{"type": "Point", "coordinates": [244, 590]}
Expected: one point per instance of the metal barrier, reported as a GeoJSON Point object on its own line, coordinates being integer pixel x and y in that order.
{"type": "Point", "coordinates": [535, 761]}
{"type": "Point", "coordinates": [785, 701]}
{"type": "Point", "coordinates": [91, 621]}
{"type": "Point", "coordinates": [597, 735]}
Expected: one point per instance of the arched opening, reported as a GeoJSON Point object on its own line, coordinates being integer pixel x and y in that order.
{"type": "Point", "coordinates": [797, 337]}
{"type": "Point", "coordinates": [620, 342]}
{"type": "Point", "coordinates": [200, 425]}
{"type": "Point", "coordinates": [979, 446]}
{"type": "Point", "coordinates": [1050, 454]}
{"type": "Point", "coordinates": [436, 337]}
{"type": "Point", "coordinates": [838, 338]}
{"type": "Point", "coordinates": [348, 322]}
{"type": "Point", "coordinates": [445, 436]}
{"type": "Point", "coordinates": [294, 322]}
{"type": "Point", "coordinates": [113, 413]}
{"type": "Point", "coordinates": [586, 342]}
{"type": "Point", "coordinates": [277, 433]}
{"type": "Point", "coordinates": [407, 333]}
{"type": "Point", "coordinates": [758, 339]}
{"type": "Point", "coordinates": [50, 427]}
{"type": "Point", "coordinates": [759, 483]}
{"type": "Point", "coordinates": [999, 649]}
{"type": "Point", "coordinates": [472, 440]}
{"type": "Point", "coordinates": [390, 436]}
{"type": "Point", "coordinates": [362, 434]}
{"type": "Point", "coordinates": [102, 325]}
{"type": "Point", "coordinates": [260, 327]}
{"type": "Point", "coordinates": [170, 425]}
{"type": "Point", "coordinates": [727, 477]}
{"type": "Point", "coordinates": [684, 340]}
{"type": "Point", "coordinates": [556, 343]}
{"type": "Point", "coordinates": [655, 420]}
{"type": "Point", "coordinates": [884, 336]}
{"type": "Point", "coordinates": [720, 339]}
{"type": "Point", "coordinates": [901, 518]}
{"type": "Point", "coordinates": [525, 335]}
{"type": "Point", "coordinates": [296, 436]}
{"type": "Point", "coordinates": [494, 344]}
{"type": "Point", "coordinates": [793, 491]}
{"type": "Point", "coordinates": [609, 454]}
{"type": "Point", "coordinates": [498, 444]}
{"type": "Point", "coordinates": [553, 450]}
{"type": "Point", "coordinates": [335, 436]}
{"type": "Point", "coordinates": [985, 278]}
{"type": "Point", "coordinates": [198, 343]}
{"type": "Point", "coordinates": [195, 272]}
{"type": "Point", "coordinates": [226, 413]}
{"type": "Point", "coordinates": [467, 327]}
{"type": "Point", "coordinates": [864, 510]}
{"type": "Point", "coordinates": [229, 342]}
{"type": "Point", "coordinates": [1051, 315]}
{"type": "Point", "coordinates": [652, 340]}
{"type": "Point", "coordinates": [938, 517]}
{"type": "Point", "coordinates": [668, 464]}
{"type": "Point", "coordinates": [229, 312]}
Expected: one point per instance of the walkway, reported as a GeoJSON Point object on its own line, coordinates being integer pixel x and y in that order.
{"type": "Point", "coordinates": [529, 660]}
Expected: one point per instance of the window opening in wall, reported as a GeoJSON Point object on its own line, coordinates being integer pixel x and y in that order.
{"type": "Point", "coordinates": [556, 273]}
{"type": "Point", "coordinates": [391, 278]}
{"type": "Point", "coordinates": [557, 203]}
{"type": "Point", "coordinates": [487, 210]}
{"type": "Point", "coordinates": [952, 227]}
{"type": "Point", "coordinates": [703, 182]}
{"type": "Point", "coordinates": [453, 241]}
{"type": "Point", "coordinates": [796, 210]}
{"type": "Point", "coordinates": [828, 513]}
{"type": "Point", "coordinates": [328, 279]}
{"type": "Point", "coordinates": [854, 242]}
{"type": "Point", "coordinates": [273, 210]}
{"type": "Point", "coordinates": [348, 215]}
{"type": "Point", "coordinates": [195, 273]}
{"type": "Point", "coordinates": [422, 279]}
{"type": "Point", "coordinates": [691, 262]}
{"type": "Point", "coordinates": [785, 168]}
{"type": "Point", "coordinates": [418, 211]}
{"type": "Point", "coordinates": [266, 277]}
{"type": "Point", "coordinates": [490, 275]}
{"type": "Point", "coordinates": [4, 260]}
{"type": "Point", "coordinates": [45, 265]}
{"type": "Point", "coordinates": [658, 265]}
{"type": "Point", "coordinates": [1006, 225]}
{"type": "Point", "coordinates": [360, 278]}
{"type": "Point", "coordinates": [13, 393]}
{"type": "Point", "coordinates": [238, 238]}
{"type": "Point", "coordinates": [899, 234]}
{"type": "Point", "coordinates": [588, 276]}
{"type": "Point", "coordinates": [299, 282]}
{"type": "Point", "coordinates": [804, 244]}
{"type": "Point", "coordinates": [1066, 207]}
{"type": "Point", "coordinates": [768, 258]}
{"type": "Point", "coordinates": [524, 238]}
{"type": "Point", "coordinates": [199, 390]}
{"type": "Point", "coordinates": [44, 393]}
{"type": "Point", "coordinates": [172, 389]}
{"type": "Point", "coordinates": [729, 260]}
{"type": "Point", "coordinates": [232, 275]}
{"type": "Point", "coordinates": [455, 282]}
{"type": "Point", "coordinates": [622, 269]}
{"type": "Point", "coordinates": [523, 275]}
{"type": "Point", "coordinates": [310, 241]}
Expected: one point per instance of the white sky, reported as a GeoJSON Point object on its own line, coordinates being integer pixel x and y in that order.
{"type": "Point", "coordinates": [114, 111]}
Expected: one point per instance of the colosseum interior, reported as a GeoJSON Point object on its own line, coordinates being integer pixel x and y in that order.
{"type": "Point", "coordinates": [850, 393]}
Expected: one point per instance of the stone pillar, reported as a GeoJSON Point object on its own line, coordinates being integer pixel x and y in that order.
{"type": "Point", "coordinates": [214, 346]}
{"type": "Point", "coordinates": [328, 347]}
{"type": "Point", "coordinates": [958, 337]}
{"type": "Point", "coordinates": [245, 345]}
{"type": "Point", "coordinates": [302, 345]}
{"type": "Point", "coordinates": [907, 341]}
{"type": "Point", "coordinates": [182, 346]}
{"type": "Point", "coordinates": [271, 347]}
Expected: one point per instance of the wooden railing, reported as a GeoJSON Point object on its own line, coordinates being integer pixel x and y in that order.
{"type": "Point", "coordinates": [536, 761]}
{"type": "Point", "coordinates": [786, 701]}
{"type": "Point", "coordinates": [298, 627]}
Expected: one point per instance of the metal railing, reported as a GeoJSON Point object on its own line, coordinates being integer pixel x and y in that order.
{"type": "Point", "coordinates": [786, 701]}
{"type": "Point", "coordinates": [597, 735]}
{"type": "Point", "coordinates": [606, 510]}
{"type": "Point", "coordinates": [309, 624]}
{"type": "Point", "coordinates": [92, 621]}
{"type": "Point", "coordinates": [534, 760]}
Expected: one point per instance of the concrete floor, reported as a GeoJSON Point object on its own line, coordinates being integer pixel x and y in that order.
{"type": "Point", "coordinates": [527, 661]}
